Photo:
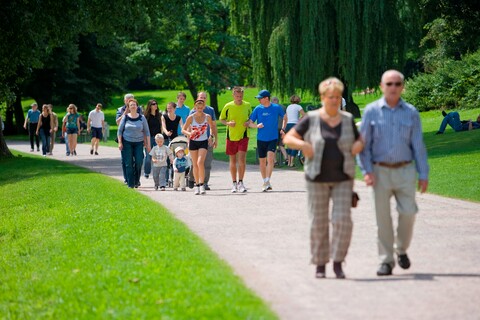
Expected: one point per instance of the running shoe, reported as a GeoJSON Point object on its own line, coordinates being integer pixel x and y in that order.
{"type": "Point", "coordinates": [196, 190]}
{"type": "Point", "coordinates": [241, 188]}
{"type": "Point", "coordinates": [265, 187]}
{"type": "Point", "coordinates": [202, 189]}
{"type": "Point", "coordinates": [269, 186]}
{"type": "Point", "coordinates": [234, 187]}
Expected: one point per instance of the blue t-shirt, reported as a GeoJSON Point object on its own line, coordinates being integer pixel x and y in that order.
{"type": "Point", "coordinates": [181, 164]}
{"type": "Point", "coordinates": [133, 129]}
{"type": "Point", "coordinates": [33, 116]}
{"type": "Point", "coordinates": [183, 112]}
{"type": "Point", "coordinates": [211, 112]}
{"type": "Point", "coordinates": [269, 117]}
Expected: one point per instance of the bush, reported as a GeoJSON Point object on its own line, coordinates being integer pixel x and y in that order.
{"type": "Point", "coordinates": [454, 85]}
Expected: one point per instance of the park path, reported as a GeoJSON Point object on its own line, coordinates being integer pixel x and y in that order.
{"type": "Point", "coordinates": [264, 238]}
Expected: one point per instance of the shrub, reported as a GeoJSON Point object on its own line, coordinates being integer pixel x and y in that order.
{"type": "Point", "coordinates": [454, 85]}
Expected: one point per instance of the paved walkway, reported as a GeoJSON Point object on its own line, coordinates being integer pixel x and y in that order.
{"type": "Point", "coordinates": [264, 237]}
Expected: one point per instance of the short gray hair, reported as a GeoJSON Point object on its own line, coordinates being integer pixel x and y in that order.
{"type": "Point", "coordinates": [393, 72]}
{"type": "Point", "coordinates": [128, 96]}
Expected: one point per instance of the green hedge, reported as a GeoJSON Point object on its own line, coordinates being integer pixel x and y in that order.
{"type": "Point", "coordinates": [454, 85]}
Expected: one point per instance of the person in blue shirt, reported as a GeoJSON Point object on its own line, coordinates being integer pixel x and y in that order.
{"type": "Point", "coordinates": [266, 115]}
{"type": "Point", "coordinates": [133, 135]}
{"type": "Point", "coordinates": [32, 118]}
{"type": "Point", "coordinates": [453, 119]}
{"type": "Point", "coordinates": [118, 118]}
{"type": "Point", "coordinates": [182, 110]}
{"type": "Point", "coordinates": [394, 154]}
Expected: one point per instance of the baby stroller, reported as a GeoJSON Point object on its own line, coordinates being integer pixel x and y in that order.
{"type": "Point", "coordinates": [179, 141]}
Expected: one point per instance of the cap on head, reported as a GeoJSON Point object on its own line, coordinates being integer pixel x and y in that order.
{"type": "Point", "coordinates": [263, 94]}
{"type": "Point", "coordinates": [177, 149]}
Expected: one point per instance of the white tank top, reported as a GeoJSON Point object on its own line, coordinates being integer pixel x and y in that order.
{"type": "Point", "coordinates": [199, 130]}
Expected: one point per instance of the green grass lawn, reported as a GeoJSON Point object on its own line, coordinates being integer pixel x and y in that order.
{"type": "Point", "coordinates": [77, 244]}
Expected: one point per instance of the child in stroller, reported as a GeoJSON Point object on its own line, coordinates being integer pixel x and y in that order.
{"type": "Point", "coordinates": [182, 142]}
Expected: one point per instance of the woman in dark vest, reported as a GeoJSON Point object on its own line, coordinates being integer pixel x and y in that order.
{"type": "Point", "coordinates": [329, 140]}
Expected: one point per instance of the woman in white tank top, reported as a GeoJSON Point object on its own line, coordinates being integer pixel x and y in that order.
{"type": "Point", "coordinates": [195, 128]}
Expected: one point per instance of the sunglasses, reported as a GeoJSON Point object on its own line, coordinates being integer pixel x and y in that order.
{"type": "Point", "coordinates": [154, 104]}
{"type": "Point", "coordinates": [396, 84]}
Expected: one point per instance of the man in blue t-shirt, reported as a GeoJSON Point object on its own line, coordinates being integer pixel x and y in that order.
{"type": "Point", "coordinates": [182, 110]}
{"type": "Point", "coordinates": [266, 115]}
{"type": "Point", "coordinates": [33, 115]}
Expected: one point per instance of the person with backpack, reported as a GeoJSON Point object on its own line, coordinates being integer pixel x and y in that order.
{"type": "Point", "coordinates": [133, 135]}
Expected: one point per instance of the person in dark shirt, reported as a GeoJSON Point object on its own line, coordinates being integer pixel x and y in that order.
{"type": "Point", "coordinates": [329, 140]}
{"type": "Point", "coordinates": [152, 114]}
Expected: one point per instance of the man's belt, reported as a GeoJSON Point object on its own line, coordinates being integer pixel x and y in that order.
{"type": "Point", "coordinates": [393, 165]}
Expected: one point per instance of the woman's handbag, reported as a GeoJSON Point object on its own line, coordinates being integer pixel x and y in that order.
{"type": "Point", "coordinates": [355, 199]}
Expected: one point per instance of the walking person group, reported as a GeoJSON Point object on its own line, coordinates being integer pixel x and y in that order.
{"type": "Point", "coordinates": [389, 149]}
{"type": "Point", "coordinates": [392, 156]}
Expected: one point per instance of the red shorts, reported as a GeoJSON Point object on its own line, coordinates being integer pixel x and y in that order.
{"type": "Point", "coordinates": [233, 147]}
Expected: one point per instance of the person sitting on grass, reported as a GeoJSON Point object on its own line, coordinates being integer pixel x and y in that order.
{"type": "Point", "coordinates": [453, 119]}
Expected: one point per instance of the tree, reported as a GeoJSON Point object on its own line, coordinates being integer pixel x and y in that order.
{"type": "Point", "coordinates": [32, 31]}
{"type": "Point", "coordinates": [296, 44]}
{"type": "Point", "coordinates": [452, 31]}
{"type": "Point", "coordinates": [196, 48]}
{"type": "Point", "coordinates": [83, 72]}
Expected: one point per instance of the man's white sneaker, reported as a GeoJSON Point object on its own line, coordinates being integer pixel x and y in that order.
{"type": "Point", "coordinates": [196, 190]}
{"type": "Point", "coordinates": [269, 186]}
{"type": "Point", "coordinates": [202, 189]}
{"type": "Point", "coordinates": [241, 188]}
{"type": "Point", "coordinates": [234, 187]}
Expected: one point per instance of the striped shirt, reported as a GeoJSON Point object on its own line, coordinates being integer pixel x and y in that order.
{"type": "Point", "coordinates": [392, 135]}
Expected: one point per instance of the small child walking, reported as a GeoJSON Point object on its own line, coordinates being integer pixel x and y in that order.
{"type": "Point", "coordinates": [159, 155]}
{"type": "Point", "coordinates": [180, 164]}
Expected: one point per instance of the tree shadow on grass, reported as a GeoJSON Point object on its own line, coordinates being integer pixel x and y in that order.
{"type": "Point", "coordinates": [21, 168]}
{"type": "Point", "coordinates": [451, 143]}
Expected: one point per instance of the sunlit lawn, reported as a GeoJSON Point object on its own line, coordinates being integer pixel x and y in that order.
{"type": "Point", "coordinates": [79, 245]}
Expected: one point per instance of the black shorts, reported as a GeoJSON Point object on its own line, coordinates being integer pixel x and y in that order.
{"type": "Point", "coordinates": [72, 131]}
{"type": "Point", "coordinates": [264, 146]}
{"type": "Point", "coordinates": [195, 145]}
{"type": "Point", "coordinates": [97, 133]}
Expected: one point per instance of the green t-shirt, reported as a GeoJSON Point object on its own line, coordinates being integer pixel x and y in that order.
{"type": "Point", "coordinates": [72, 120]}
{"type": "Point", "coordinates": [240, 114]}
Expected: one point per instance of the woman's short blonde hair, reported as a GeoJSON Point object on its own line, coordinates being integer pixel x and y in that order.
{"type": "Point", "coordinates": [331, 83]}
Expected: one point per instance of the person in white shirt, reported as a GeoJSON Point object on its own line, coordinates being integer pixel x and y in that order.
{"type": "Point", "coordinates": [294, 113]}
{"type": "Point", "coordinates": [95, 125]}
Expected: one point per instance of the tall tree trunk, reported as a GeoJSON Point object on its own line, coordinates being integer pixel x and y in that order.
{"type": "Point", "coordinates": [4, 151]}
{"type": "Point", "coordinates": [214, 102]}
{"type": "Point", "coordinates": [351, 106]}
{"type": "Point", "coordinates": [14, 111]}
{"type": "Point", "coordinates": [18, 111]}
{"type": "Point", "coordinates": [191, 85]}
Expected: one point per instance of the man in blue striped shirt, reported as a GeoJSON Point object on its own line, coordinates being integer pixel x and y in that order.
{"type": "Point", "coordinates": [393, 155]}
